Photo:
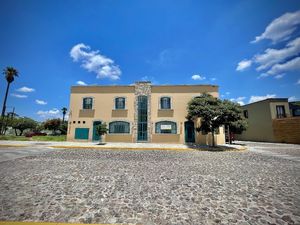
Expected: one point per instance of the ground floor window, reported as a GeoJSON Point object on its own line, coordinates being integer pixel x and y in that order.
{"type": "Point", "coordinates": [119, 127]}
{"type": "Point", "coordinates": [166, 127]}
{"type": "Point", "coordinates": [82, 133]}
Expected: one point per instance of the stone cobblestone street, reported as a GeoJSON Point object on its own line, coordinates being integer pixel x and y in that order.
{"type": "Point", "coordinates": [151, 187]}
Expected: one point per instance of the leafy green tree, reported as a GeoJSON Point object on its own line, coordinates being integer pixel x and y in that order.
{"type": "Point", "coordinates": [64, 112]}
{"type": "Point", "coordinates": [232, 118]}
{"type": "Point", "coordinates": [23, 123]}
{"type": "Point", "coordinates": [214, 113]}
{"type": "Point", "coordinates": [101, 130]}
{"type": "Point", "coordinates": [63, 127]}
{"type": "Point", "coordinates": [39, 127]}
{"type": "Point", "coordinates": [10, 74]}
{"type": "Point", "coordinates": [52, 124]}
{"type": "Point", "coordinates": [238, 126]}
{"type": "Point", "coordinates": [209, 110]}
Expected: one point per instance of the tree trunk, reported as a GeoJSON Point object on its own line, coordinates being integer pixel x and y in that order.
{"type": "Point", "coordinates": [213, 138]}
{"type": "Point", "coordinates": [21, 132]}
{"type": "Point", "coordinates": [5, 98]}
{"type": "Point", "coordinates": [229, 135]}
{"type": "Point", "coordinates": [16, 132]}
{"type": "Point", "coordinates": [3, 109]}
{"type": "Point", "coordinates": [63, 118]}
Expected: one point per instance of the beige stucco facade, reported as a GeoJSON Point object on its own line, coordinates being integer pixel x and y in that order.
{"type": "Point", "coordinates": [261, 116]}
{"type": "Point", "coordinates": [103, 109]}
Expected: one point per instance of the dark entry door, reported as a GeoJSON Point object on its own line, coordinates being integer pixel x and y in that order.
{"type": "Point", "coordinates": [189, 131]}
{"type": "Point", "coordinates": [96, 137]}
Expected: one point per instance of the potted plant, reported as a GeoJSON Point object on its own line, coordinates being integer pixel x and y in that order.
{"type": "Point", "coordinates": [101, 130]}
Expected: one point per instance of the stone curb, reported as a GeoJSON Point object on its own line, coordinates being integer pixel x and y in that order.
{"type": "Point", "coordinates": [12, 145]}
{"type": "Point", "coordinates": [144, 149]}
{"type": "Point", "coordinates": [130, 148]}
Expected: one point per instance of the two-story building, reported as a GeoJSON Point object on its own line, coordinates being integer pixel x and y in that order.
{"type": "Point", "coordinates": [270, 120]}
{"type": "Point", "coordinates": [137, 113]}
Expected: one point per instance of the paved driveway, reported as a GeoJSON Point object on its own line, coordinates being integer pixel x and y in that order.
{"type": "Point", "coordinates": [286, 151]}
{"type": "Point", "coordinates": [152, 187]}
{"type": "Point", "coordinates": [11, 153]}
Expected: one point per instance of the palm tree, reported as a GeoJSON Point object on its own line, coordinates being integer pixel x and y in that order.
{"type": "Point", "coordinates": [10, 74]}
{"type": "Point", "coordinates": [64, 111]}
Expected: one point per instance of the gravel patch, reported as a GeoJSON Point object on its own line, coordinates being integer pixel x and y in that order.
{"type": "Point", "coordinates": [151, 187]}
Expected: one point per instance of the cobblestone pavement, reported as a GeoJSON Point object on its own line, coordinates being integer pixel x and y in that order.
{"type": "Point", "coordinates": [151, 187]}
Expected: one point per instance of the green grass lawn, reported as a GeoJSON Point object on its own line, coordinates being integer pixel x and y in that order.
{"type": "Point", "coordinates": [49, 138]}
{"type": "Point", "coordinates": [34, 138]}
{"type": "Point", "coordinates": [13, 138]}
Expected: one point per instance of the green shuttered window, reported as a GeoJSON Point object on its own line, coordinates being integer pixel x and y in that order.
{"type": "Point", "coordinates": [82, 133]}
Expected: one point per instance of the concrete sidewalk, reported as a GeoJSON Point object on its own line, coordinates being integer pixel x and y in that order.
{"type": "Point", "coordinates": [113, 145]}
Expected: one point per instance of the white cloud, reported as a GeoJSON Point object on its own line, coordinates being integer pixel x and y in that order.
{"type": "Point", "coordinates": [19, 96]}
{"type": "Point", "coordinates": [279, 76]}
{"type": "Point", "coordinates": [93, 61]}
{"type": "Point", "coordinates": [227, 93]}
{"type": "Point", "coordinates": [263, 75]}
{"type": "Point", "coordinates": [213, 79]}
{"type": "Point", "coordinates": [277, 62]}
{"type": "Point", "coordinates": [255, 98]}
{"type": "Point", "coordinates": [281, 28]}
{"type": "Point", "coordinates": [292, 65]}
{"type": "Point", "coordinates": [25, 89]}
{"type": "Point", "coordinates": [293, 98]}
{"type": "Point", "coordinates": [298, 82]}
{"type": "Point", "coordinates": [239, 100]}
{"type": "Point", "coordinates": [244, 64]}
{"type": "Point", "coordinates": [272, 56]}
{"type": "Point", "coordinates": [40, 102]}
{"type": "Point", "coordinates": [198, 77]}
{"type": "Point", "coordinates": [82, 83]}
{"type": "Point", "coordinates": [52, 113]}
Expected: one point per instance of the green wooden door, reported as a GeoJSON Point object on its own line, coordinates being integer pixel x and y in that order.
{"type": "Point", "coordinates": [96, 137]}
{"type": "Point", "coordinates": [189, 132]}
{"type": "Point", "coordinates": [82, 133]}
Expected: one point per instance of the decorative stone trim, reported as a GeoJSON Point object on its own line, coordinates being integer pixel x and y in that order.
{"type": "Point", "coordinates": [142, 88]}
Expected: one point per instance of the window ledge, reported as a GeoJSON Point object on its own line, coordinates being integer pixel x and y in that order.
{"type": "Point", "coordinates": [165, 113]}
{"type": "Point", "coordinates": [119, 113]}
{"type": "Point", "coordinates": [86, 113]}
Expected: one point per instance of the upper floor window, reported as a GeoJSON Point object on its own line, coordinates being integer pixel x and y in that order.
{"type": "Point", "coordinates": [120, 103]}
{"type": "Point", "coordinates": [166, 127]}
{"type": "Point", "coordinates": [165, 103]}
{"type": "Point", "coordinates": [280, 111]}
{"type": "Point", "coordinates": [246, 114]}
{"type": "Point", "coordinates": [119, 127]}
{"type": "Point", "coordinates": [296, 112]}
{"type": "Point", "coordinates": [87, 103]}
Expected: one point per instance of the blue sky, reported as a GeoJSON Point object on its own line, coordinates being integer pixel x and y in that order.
{"type": "Point", "coordinates": [249, 48]}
